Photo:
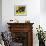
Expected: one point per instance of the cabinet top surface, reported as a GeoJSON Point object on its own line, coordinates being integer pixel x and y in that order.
{"type": "Point", "coordinates": [19, 23]}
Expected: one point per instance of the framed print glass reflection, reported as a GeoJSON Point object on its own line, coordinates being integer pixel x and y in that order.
{"type": "Point", "coordinates": [20, 10]}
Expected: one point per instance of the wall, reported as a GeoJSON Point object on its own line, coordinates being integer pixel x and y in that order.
{"type": "Point", "coordinates": [43, 6]}
{"type": "Point", "coordinates": [34, 14]}
{"type": "Point", "coordinates": [43, 14]}
{"type": "Point", "coordinates": [33, 11]}
{"type": "Point", "coordinates": [0, 15]}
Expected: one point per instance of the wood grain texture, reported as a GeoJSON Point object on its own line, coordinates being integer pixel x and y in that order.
{"type": "Point", "coordinates": [23, 27]}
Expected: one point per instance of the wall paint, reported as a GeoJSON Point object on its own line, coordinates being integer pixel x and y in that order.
{"type": "Point", "coordinates": [43, 6]}
{"type": "Point", "coordinates": [33, 11]}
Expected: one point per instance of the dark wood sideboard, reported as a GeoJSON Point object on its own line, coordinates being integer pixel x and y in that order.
{"type": "Point", "coordinates": [22, 33]}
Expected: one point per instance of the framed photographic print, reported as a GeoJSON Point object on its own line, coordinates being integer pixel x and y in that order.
{"type": "Point", "coordinates": [20, 10]}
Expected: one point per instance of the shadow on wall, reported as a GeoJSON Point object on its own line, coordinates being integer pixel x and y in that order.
{"type": "Point", "coordinates": [0, 24]}
{"type": "Point", "coordinates": [0, 15]}
{"type": "Point", "coordinates": [43, 6]}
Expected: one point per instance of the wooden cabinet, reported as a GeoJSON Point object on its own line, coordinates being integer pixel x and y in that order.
{"type": "Point", "coordinates": [22, 33]}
